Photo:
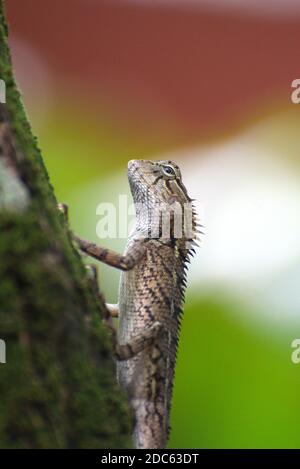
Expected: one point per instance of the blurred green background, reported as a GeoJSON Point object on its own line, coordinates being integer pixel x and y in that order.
{"type": "Point", "coordinates": [207, 84]}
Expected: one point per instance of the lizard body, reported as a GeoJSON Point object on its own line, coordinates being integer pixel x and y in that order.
{"type": "Point", "coordinates": [151, 294]}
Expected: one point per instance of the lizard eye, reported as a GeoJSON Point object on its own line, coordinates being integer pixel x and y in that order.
{"type": "Point", "coordinates": [169, 170]}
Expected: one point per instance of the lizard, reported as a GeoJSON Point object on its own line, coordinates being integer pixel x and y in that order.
{"type": "Point", "coordinates": [151, 293]}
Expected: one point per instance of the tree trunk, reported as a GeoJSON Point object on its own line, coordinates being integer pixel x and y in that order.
{"type": "Point", "coordinates": [57, 387]}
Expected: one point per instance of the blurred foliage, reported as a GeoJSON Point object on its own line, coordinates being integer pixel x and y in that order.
{"type": "Point", "coordinates": [236, 386]}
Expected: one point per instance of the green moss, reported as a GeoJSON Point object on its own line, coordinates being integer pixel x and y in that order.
{"type": "Point", "coordinates": [58, 387]}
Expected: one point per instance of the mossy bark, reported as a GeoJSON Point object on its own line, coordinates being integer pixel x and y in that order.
{"type": "Point", "coordinates": [58, 387]}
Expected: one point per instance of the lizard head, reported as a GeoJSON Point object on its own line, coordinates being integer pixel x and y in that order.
{"type": "Point", "coordinates": [158, 181]}
{"type": "Point", "coordinates": [161, 199]}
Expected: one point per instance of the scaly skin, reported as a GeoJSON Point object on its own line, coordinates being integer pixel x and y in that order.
{"type": "Point", "coordinates": [151, 294]}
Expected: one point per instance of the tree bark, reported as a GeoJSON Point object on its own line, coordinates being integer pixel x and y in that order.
{"type": "Point", "coordinates": [58, 386]}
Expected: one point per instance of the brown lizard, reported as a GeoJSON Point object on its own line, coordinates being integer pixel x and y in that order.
{"type": "Point", "coordinates": [151, 293]}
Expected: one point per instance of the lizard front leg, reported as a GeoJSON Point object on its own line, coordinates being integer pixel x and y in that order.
{"type": "Point", "coordinates": [108, 256]}
{"type": "Point", "coordinates": [112, 258]}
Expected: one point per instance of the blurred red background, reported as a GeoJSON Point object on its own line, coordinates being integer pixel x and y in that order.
{"type": "Point", "coordinates": [198, 71]}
